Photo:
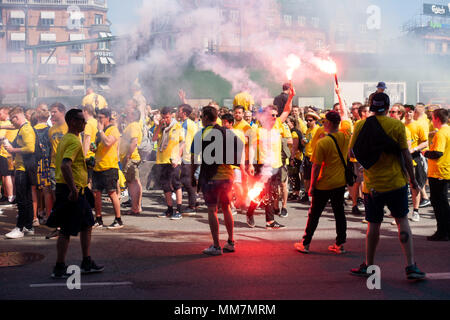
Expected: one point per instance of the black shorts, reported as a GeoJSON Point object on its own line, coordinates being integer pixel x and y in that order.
{"type": "Point", "coordinates": [217, 192]}
{"type": "Point", "coordinates": [307, 168]}
{"type": "Point", "coordinates": [105, 180]}
{"type": "Point", "coordinates": [170, 178]}
{"type": "Point", "coordinates": [395, 200]}
{"type": "Point", "coordinates": [4, 167]}
{"type": "Point", "coordinates": [71, 217]}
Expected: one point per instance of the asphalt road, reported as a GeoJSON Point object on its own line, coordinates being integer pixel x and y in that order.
{"type": "Point", "coordinates": [160, 259]}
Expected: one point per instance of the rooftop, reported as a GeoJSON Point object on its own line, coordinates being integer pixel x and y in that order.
{"type": "Point", "coordinates": [81, 3]}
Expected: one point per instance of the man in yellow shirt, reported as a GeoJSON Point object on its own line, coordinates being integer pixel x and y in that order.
{"type": "Point", "coordinates": [6, 161]}
{"type": "Point", "coordinates": [419, 142]}
{"type": "Point", "coordinates": [94, 99]}
{"type": "Point", "coordinates": [89, 135]}
{"type": "Point", "coordinates": [189, 129]}
{"type": "Point", "coordinates": [439, 174]}
{"type": "Point", "coordinates": [312, 127]}
{"type": "Point", "coordinates": [23, 148]}
{"type": "Point", "coordinates": [268, 170]}
{"type": "Point", "coordinates": [244, 99]}
{"type": "Point", "coordinates": [385, 180]}
{"type": "Point", "coordinates": [241, 125]}
{"type": "Point", "coordinates": [106, 170]}
{"type": "Point", "coordinates": [299, 116]}
{"type": "Point", "coordinates": [55, 134]}
{"type": "Point", "coordinates": [72, 212]}
{"type": "Point", "coordinates": [130, 158]}
{"type": "Point", "coordinates": [328, 182]}
{"type": "Point", "coordinates": [170, 139]}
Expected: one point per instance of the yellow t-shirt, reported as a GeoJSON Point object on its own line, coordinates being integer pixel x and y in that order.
{"type": "Point", "coordinates": [387, 174]}
{"type": "Point", "coordinates": [269, 144]}
{"type": "Point", "coordinates": [172, 151]}
{"type": "Point", "coordinates": [309, 135]}
{"type": "Point", "coordinates": [326, 155]}
{"type": "Point", "coordinates": [418, 134]}
{"type": "Point", "coordinates": [303, 126]}
{"type": "Point", "coordinates": [108, 157]}
{"type": "Point", "coordinates": [10, 135]}
{"type": "Point", "coordinates": [189, 135]}
{"type": "Point", "coordinates": [91, 131]}
{"type": "Point", "coordinates": [440, 168]}
{"type": "Point", "coordinates": [345, 127]}
{"type": "Point", "coordinates": [55, 134]}
{"type": "Point", "coordinates": [95, 100]}
{"type": "Point", "coordinates": [425, 124]}
{"type": "Point", "coordinates": [248, 132]}
{"type": "Point", "coordinates": [70, 148]}
{"type": "Point", "coordinates": [240, 134]}
{"type": "Point", "coordinates": [243, 99]}
{"type": "Point", "coordinates": [132, 131]}
{"type": "Point", "coordinates": [298, 155]}
{"type": "Point", "coordinates": [26, 140]}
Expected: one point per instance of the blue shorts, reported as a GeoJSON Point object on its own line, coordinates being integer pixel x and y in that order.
{"type": "Point", "coordinates": [217, 192]}
{"type": "Point", "coordinates": [396, 201]}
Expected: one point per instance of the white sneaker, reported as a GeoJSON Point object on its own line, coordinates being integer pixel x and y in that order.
{"type": "Point", "coordinates": [213, 251]}
{"type": "Point", "coordinates": [15, 234]}
{"type": "Point", "coordinates": [394, 222]}
{"type": "Point", "coordinates": [229, 247]}
{"type": "Point", "coordinates": [28, 232]}
{"type": "Point", "coordinates": [415, 217]}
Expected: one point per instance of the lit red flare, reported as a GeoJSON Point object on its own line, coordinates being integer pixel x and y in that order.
{"type": "Point", "coordinates": [293, 62]}
{"type": "Point", "coordinates": [327, 66]}
{"type": "Point", "coordinates": [254, 193]}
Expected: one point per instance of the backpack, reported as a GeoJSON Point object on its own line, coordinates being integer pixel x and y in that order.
{"type": "Point", "coordinates": [30, 160]}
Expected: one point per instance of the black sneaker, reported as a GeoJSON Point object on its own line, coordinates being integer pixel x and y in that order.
{"type": "Point", "coordinates": [438, 237]}
{"type": "Point", "coordinates": [126, 204]}
{"type": "Point", "coordinates": [167, 214]}
{"type": "Point", "coordinates": [117, 224]}
{"type": "Point", "coordinates": [177, 216]}
{"type": "Point", "coordinates": [304, 200]}
{"type": "Point", "coordinates": [98, 223]}
{"type": "Point", "coordinates": [88, 266]}
{"type": "Point", "coordinates": [424, 203]}
{"type": "Point", "coordinates": [189, 212]}
{"type": "Point", "coordinates": [360, 202]}
{"type": "Point", "coordinates": [251, 221]}
{"type": "Point", "coordinates": [356, 211]}
{"type": "Point", "coordinates": [274, 226]}
{"type": "Point", "coordinates": [60, 272]}
{"type": "Point", "coordinates": [3, 199]}
{"type": "Point", "coordinates": [413, 273]}
{"type": "Point", "coordinates": [361, 271]}
{"type": "Point", "coordinates": [284, 213]}
{"type": "Point", "coordinates": [52, 235]}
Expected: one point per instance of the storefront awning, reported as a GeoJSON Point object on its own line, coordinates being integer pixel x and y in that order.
{"type": "Point", "coordinates": [50, 37]}
{"type": "Point", "coordinates": [47, 15]}
{"type": "Point", "coordinates": [76, 60]}
{"type": "Point", "coordinates": [17, 36]}
{"type": "Point", "coordinates": [52, 60]}
{"type": "Point", "coordinates": [17, 14]}
{"type": "Point", "coordinates": [76, 36]}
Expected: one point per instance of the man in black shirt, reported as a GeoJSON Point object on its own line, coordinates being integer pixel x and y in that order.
{"type": "Point", "coordinates": [280, 101]}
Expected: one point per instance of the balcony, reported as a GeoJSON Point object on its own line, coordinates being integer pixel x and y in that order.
{"type": "Point", "coordinates": [81, 3]}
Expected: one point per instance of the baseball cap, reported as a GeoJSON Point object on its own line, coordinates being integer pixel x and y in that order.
{"type": "Point", "coordinates": [381, 85]}
{"type": "Point", "coordinates": [380, 102]}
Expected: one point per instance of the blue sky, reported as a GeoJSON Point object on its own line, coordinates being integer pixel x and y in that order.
{"type": "Point", "coordinates": [394, 12]}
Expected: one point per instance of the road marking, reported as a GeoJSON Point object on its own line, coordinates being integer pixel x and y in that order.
{"type": "Point", "coordinates": [86, 284]}
{"type": "Point", "coordinates": [438, 276]}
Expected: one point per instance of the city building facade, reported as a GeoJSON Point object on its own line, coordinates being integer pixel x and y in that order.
{"type": "Point", "coordinates": [61, 70]}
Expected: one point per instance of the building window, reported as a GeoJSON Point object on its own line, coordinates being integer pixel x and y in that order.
{"type": "Point", "coordinates": [319, 44]}
{"type": "Point", "coordinates": [302, 21]}
{"type": "Point", "coordinates": [362, 28]}
{"type": "Point", "coordinates": [209, 45]}
{"type": "Point", "coordinates": [47, 18]}
{"type": "Point", "coordinates": [17, 21]}
{"type": "Point", "coordinates": [1, 16]}
{"type": "Point", "coordinates": [234, 16]}
{"type": "Point", "coordinates": [16, 45]}
{"type": "Point", "coordinates": [315, 22]}
{"type": "Point", "coordinates": [287, 20]}
{"type": "Point", "coordinates": [48, 65]}
{"type": "Point", "coordinates": [47, 38]}
{"type": "Point", "coordinates": [98, 19]}
{"type": "Point", "coordinates": [17, 18]}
